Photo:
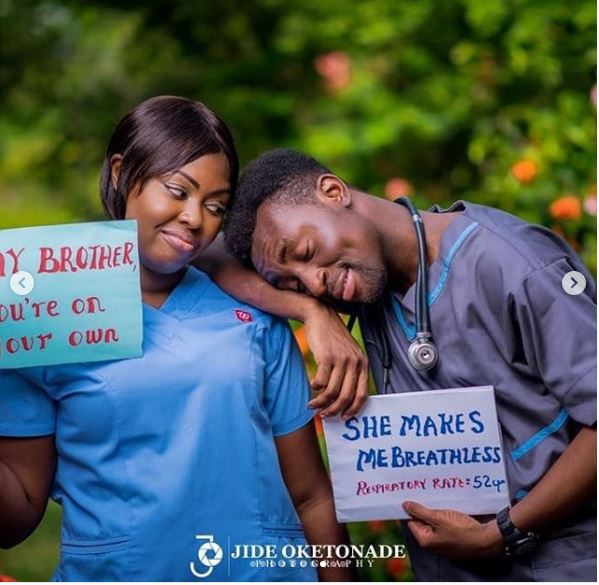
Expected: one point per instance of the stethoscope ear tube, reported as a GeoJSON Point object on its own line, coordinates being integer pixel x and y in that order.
{"type": "Point", "coordinates": [423, 354]}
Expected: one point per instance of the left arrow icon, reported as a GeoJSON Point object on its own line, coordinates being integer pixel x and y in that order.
{"type": "Point", "coordinates": [21, 283]}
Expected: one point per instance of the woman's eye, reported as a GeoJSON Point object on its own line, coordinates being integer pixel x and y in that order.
{"type": "Point", "coordinates": [178, 192]}
{"type": "Point", "coordinates": [216, 208]}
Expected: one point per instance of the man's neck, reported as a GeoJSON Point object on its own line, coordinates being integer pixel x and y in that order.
{"type": "Point", "coordinates": [398, 238]}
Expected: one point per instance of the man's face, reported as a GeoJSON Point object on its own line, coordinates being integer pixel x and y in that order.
{"type": "Point", "coordinates": [324, 250]}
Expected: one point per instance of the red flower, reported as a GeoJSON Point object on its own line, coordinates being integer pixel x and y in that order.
{"type": "Point", "coordinates": [397, 187]}
{"type": "Point", "coordinates": [397, 567]}
{"type": "Point", "coordinates": [590, 204]}
{"type": "Point", "coordinates": [335, 69]}
{"type": "Point", "coordinates": [6, 579]}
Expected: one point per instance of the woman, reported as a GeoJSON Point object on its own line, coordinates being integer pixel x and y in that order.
{"type": "Point", "coordinates": [205, 441]}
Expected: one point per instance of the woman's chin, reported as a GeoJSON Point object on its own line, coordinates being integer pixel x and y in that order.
{"type": "Point", "coordinates": [166, 267]}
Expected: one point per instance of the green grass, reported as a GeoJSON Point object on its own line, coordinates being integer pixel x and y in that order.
{"type": "Point", "coordinates": [36, 558]}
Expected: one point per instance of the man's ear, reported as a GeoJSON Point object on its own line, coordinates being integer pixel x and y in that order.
{"type": "Point", "coordinates": [331, 189]}
{"type": "Point", "coordinates": [115, 169]}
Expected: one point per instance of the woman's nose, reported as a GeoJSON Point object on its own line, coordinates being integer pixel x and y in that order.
{"type": "Point", "coordinates": [191, 215]}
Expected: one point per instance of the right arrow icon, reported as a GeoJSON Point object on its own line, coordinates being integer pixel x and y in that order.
{"type": "Point", "coordinates": [574, 283]}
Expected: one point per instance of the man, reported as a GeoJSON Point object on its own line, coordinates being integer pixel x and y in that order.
{"type": "Point", "coordinates": [499, 316]}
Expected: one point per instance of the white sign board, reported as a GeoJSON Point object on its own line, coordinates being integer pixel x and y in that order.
{"type": "Point", "coordinates": [441, 448]}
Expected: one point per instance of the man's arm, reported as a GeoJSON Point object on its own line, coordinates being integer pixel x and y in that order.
{"type": "Point", "coordinates": [556, 334]}
{"type": "Point", "coordinates": [570, 482]}
{"type": "Point", "coordinates": [310, 489]}
{"type": "Point", "coordinates": [342, 368]}
{"type": "Point", "coordinates": [26, 471]}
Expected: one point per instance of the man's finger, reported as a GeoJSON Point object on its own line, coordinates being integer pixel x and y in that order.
{"type": "Point", "coordinates": [419, 512]}
{"type": "Point", "coordinates": [345, 397]}
{"type": "Point", "coordinates": [322, 376]}
{"type": "Point", "coordinates": [330, 393]}
{"type": "Point", "coordinates": [422, 532]}
{"type": "Point", "coordinates": [360, 396]}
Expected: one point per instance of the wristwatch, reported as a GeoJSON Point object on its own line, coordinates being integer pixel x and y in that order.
{"type": "Point", "coordinates": [517, 542]}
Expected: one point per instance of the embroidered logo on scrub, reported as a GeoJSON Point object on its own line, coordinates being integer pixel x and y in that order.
{"type": "Point", "coordinates": [243, 316]}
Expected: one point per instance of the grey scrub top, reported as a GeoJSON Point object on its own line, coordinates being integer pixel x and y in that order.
{"type": "Point", "coordinates": [500, 317]}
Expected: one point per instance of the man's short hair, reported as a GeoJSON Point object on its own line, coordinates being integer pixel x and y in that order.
{"type": "Point", "coordinates": [282, 175]}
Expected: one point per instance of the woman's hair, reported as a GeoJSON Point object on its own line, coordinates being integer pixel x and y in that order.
{"type": "Point", "coordinates": [160, 135]}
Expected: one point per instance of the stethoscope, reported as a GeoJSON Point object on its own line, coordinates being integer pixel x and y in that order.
{"type": "Point", "coordinates": [423, 354]}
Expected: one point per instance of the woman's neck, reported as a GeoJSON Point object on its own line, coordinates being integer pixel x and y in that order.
{"type": "Point", "coordinates": [155, 287]}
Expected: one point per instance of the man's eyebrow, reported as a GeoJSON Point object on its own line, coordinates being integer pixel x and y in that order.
{"type": "Point", "coordinates": [190, 179]}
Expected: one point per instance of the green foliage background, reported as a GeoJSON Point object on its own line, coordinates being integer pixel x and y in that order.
{"type": "Point", "coordinates": [447, 95]}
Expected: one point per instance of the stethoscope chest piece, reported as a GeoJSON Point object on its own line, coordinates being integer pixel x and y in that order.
{"type": "Point", "coordinates": [423, 354]}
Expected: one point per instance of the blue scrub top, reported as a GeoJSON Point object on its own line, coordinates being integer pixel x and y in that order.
{"type": "Point", "coordinates": [156, 451]}
{"type": "Point", "coordinates": [500, 317]}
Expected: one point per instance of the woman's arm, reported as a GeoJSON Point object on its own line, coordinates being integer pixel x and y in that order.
{"type": "Point", "coordinates": [310, 489]}
{"type": "Point", "coordinates": [27, 468]}
{"type": "Point", "coordinates": [342, 368]}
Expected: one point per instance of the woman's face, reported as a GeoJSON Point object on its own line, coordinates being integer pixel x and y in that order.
{"type": "Point", "coordinates": [179, 214]}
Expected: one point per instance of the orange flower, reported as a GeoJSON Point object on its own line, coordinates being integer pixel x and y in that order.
{"type": "Point", "coordinates": [6, 579]}
{"type": "Point", "coordinates": [568, 207]}
{"type": "Point", "coordinates": [396, 567]}
{"type": "Point", "coordinates": [335, 69]}
{"type": "Point", "coordinates": [300, 337]}
{"type": "Point", "coordinates": [318, 425]}
{"type": "Point", "coordinates": [397, 187]}
{"type": "Point", "coordinates": [525, 171]}
{"type": "Point", "coordinates": [377, 526]}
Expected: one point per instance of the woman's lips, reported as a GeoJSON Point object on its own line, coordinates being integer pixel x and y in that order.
{"type": "Point", "coordinates": [180, 240]}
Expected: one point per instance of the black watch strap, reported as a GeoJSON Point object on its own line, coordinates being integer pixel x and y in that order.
{"type": "Point", "coordinates": [516, 541]}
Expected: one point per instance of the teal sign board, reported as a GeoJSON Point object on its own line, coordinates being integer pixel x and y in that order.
{"type": "Point", "coordinates": [69, 293]}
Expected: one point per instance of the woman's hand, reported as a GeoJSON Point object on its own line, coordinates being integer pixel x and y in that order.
{"type": "Point", "coordinates": [342, 368]}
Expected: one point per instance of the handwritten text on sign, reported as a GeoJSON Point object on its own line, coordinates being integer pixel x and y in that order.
{"type": "Point", "coordinates": [441, 448]}
{"type": "Point", "coordinates": [69, 293]}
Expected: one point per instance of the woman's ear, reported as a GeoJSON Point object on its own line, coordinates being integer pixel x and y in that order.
{"type": "Point", "coordinates": [331, 189]}
{"type": "Point", "coordinates": [115, 169]}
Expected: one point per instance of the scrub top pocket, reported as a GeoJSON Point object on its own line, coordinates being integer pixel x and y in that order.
{"type": "Point", "coordinates": [98, 560]}
{"type": "Point", "coordinates": [289, 542]}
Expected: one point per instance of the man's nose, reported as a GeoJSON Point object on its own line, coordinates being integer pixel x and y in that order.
{"type": "Point", "coordinates": [315, 281]}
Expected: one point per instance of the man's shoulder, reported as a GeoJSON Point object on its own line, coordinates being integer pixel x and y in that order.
{"type": "Point", "coordinates": [511, 239]}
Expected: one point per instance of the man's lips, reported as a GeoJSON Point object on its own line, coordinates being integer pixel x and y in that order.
{"type": "Point", "coordinates": [180, 240]}
{"type": "Point", "coordinates": [345, 286]}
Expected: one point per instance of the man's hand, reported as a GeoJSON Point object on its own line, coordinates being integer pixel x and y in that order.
{"type": "Point", "coordinates": [453, 534]}
{"type": "Point", "coordinates": [342, 368]}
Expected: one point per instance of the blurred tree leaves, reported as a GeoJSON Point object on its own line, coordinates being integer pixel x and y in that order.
{"type": "Point", "coordinates": [448, 96]}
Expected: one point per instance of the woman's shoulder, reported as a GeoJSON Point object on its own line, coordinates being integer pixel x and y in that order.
{"type": "Point", "coordinates": [215, 300]}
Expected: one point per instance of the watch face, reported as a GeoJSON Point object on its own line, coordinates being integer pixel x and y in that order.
{"type": "Point", "coordinates": [523, 546]}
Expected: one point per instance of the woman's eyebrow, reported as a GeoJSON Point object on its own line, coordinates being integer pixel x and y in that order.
{"type": "Point", "coordinates": [190, 179]}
